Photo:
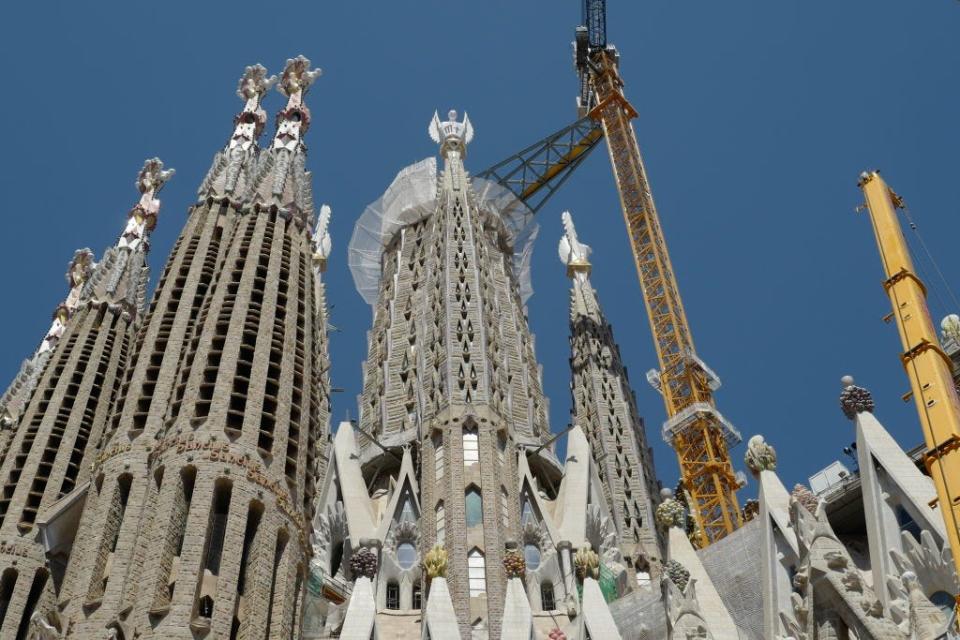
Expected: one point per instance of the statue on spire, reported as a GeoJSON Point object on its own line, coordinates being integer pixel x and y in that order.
{"type": "Point", "coordinates": [143, 217]}
{"type": "Point", "coordinates": [451, 134]}
{"type": "Point", "coordinates": [573, 253]}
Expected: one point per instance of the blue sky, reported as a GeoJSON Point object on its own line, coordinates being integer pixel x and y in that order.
{"type": "Point", "coordinates": [755, 119]}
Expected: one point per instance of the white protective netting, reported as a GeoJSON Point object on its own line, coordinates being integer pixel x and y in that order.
{"type": "Point", "coordinates": [411, 197]}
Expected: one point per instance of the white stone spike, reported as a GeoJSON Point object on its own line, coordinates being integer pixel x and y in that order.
{"type": "Point", "coordinates": [573, 253]}
{"type": "Point", "coordinates": [321, 236]}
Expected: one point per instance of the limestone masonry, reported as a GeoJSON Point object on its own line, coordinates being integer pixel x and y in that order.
{"type": "Point", "coordinates": [168, 469]}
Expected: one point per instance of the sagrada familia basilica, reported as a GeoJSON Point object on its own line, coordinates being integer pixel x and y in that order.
{"type": "Point", "coordinates": [168, 468]}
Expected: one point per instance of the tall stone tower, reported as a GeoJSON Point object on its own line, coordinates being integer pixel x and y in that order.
{"type": "Point", "coordinates": [605, 408]}
{"type": "Point", "coordinates": [451, 369]}
{"type": "Point", "coordinates": [59, 405]}
{"type": "Point", "coordinates": [195, 521]}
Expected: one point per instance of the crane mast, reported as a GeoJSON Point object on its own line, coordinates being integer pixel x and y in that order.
{"type": "Point", "coordinates": [697, 431]}
{"type": "Point", "coordinates": [926, 364]}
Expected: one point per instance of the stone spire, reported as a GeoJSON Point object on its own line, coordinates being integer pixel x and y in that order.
{"type": "Point", "coordinates": [283, 181]}
{"type": "Point", "coordinates": [604, 405]}
{"type": "Point", "coordinates": [119, 282]}
{"type": "Point", "coordinates": [450, 134]}
{"type": "Point", "coordinates": [232, 170]}
{"type": "Point", "coordinates": [85, 353]}
{"type": "Point", "coordinates": [206, 480]}
{"type": "Point", "coordinates": [15, 398]}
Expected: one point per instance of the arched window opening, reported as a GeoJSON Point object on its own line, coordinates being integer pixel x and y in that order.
{"type": "Point", "coordinates": [393, 595]}
{"type": "Point", "coordinates": [7, 582]}
{"type": "Point", "coordinates": [547, 600]}
{"type": "Point", "coordinates": [254, 515]}
{"type": "Point", "coordinates": [438, 456]}
{"type": "Point", "coordinates": [417, 596]}
{"type": "Point", "coordinates": [441, 523]}
{"type": "Point", "coordinates": [407, 513]}
{"type": "Point", "coordinates": [406, 555]}
{"type": "Point", "coordinates": [477, 573]}
{"type": "Point", "coordinates": [205, 609]}
{"type": "Point", "coordinates": [643, 575]}
{"type": "Point", "coordinates": [531, 555]}
{"type": "Point", "coordinates": [474, 507]}
{"type": "Point", "coordinates": [526, 515]}
{"type": "Point", "coordinates": [471, 447]}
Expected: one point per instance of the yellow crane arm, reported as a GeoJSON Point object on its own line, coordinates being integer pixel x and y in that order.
{"type": "Point", "coordinates": [926, 364]}
{"type": "Point", "coordinates": [698, 433]}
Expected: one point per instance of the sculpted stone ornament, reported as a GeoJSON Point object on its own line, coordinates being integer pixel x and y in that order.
{"type": "Point", "coordinates": [807, 499]}
{"type": "Point", "coordinates": [670, 512]}
{"type": "Point", "coordinates": [435, 562]}
{"type": "Point", "coordinates": [363, 563]}
{"type": "Point", "coordinates": [587, 563]}
{"type": "Point", "coordinates": [677, 573]}
{"type": "Point", "coordinates": [143, 217]}
{"type": "Point", "coordinates": [950, 328]}
{"type": "Point", "coordinates": [450, 134]}
{"type": "Point", "coordinates": [40, 629]}
{"type": "Point", "coordinates": [231, 173]}
{"type": "Point", "coordinates": [760, 456]}
{"type": "Point", "coordinates": [248, 125]}
{"type": "Point", "coordinates": [282, 179]}
{"type": "Point", "coordinates": [514, 564]}
{"type": "Point", "coordinates": [294, 120]}
{"type": "Point", "coordinates": [854, 399]}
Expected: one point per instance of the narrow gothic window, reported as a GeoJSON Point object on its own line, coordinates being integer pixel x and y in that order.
{"type": "Point", "coordinates": [473, 507]}
{"type": "Point", "coordinates": [438, 456]}
{"type": "Point", "coordinates": [407, 513]}
{"type": "Point", "coordinates": [547, 600]}
{"type": "Point", "coordinates": [393, 595]}
{"type": "Point", "coordinates": [527, 515]}
{"type": "Point", "coordinates": [476, 572]}
{"type": "Point", "coordinates": [417, 596]}
{"type": "Point", "coordinates": [441, 523]}
{"type": "Point", "coordinates": [471, 447]}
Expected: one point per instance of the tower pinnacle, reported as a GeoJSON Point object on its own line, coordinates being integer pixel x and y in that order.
{"type": "Point", "coordinates": [231, 172]}
{"type": "Point", "coordinates": [248, 125]}
{"type": "Point", "coordinates": [294, 120]}
{"type": "Point", "coordinates": [573, 253]}
{"type": "Point", "coordinates": [143, 217]}
{"type": "Point", "coordinates": [450, 134]}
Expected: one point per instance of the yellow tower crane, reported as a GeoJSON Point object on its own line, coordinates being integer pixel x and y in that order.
{"type": "Point", "coordinates": [694, 427]}
{"type": "Point", "coordinates": [927, 366]}
{"type": "Point", "coordinates": [696, 430]}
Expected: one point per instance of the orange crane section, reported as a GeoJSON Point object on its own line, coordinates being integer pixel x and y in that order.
{"type": "Point", "coordinates": [695, 429]}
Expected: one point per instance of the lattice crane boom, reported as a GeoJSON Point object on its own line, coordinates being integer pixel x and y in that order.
{"type": "Point", "coordinates": [697, 431]}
